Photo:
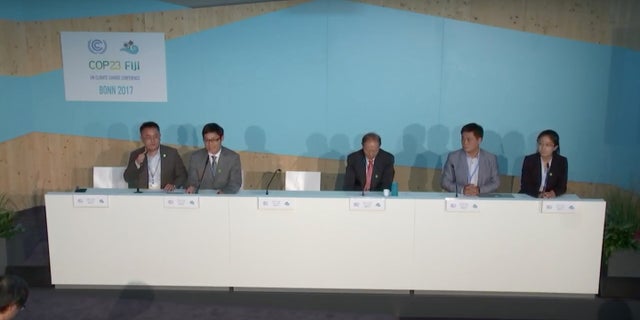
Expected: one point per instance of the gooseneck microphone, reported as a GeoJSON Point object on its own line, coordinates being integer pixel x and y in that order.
{"type": "Point", "coordinates": [206, 162]}
{"type": "Point", "coordinates": [271, 180]}
{"type": "Point", "coordinates": [455, 181]}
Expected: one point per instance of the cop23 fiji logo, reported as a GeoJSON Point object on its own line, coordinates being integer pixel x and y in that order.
{"type": "Point", "coordinates": [98, 46]}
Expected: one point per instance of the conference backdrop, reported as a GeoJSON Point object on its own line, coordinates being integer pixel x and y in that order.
{"type": "Point", "coordinates": [310, 79]}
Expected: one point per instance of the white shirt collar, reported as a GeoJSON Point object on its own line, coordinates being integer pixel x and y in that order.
{"type": "Point", "coordinates": [217, 155]}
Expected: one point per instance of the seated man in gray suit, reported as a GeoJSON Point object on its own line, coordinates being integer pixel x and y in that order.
{"type": "Point", "coordinates": [154, 166]}
{"type": "Point", "coordinates": [214, 167]}
{"type": "Point", "coordinates": [470, 170]}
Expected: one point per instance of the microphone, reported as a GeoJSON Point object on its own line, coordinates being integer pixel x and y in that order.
{"type": "Point", "coordinates": [271, 180]}
{"type": "Point", "coordinates": [146, 171]}
{"type": "Point", "coordinates": [206, 162]}
{"type": "Point", "coordinates": [455, 182]}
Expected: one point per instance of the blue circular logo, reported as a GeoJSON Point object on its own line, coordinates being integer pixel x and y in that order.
{"type": "Point", "coordinates": [97, 46]}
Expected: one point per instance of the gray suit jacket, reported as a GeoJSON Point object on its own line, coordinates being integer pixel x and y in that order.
{"type": "Point", "coordinates": [456, 172]}
{"type": "Point", "coordinates": [228, 177]}
{"type": "Point", "coordinates": [171, 167]}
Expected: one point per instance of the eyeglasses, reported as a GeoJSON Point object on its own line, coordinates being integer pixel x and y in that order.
{"type": "Point", "coordinates": [211, 140]}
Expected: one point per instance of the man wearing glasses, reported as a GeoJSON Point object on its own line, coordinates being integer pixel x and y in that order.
{"type": "Point", "coordinates": [214, 167]}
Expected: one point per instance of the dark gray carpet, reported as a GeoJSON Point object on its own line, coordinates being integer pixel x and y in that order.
{"type": "Point", "coordinates": [49, 303]}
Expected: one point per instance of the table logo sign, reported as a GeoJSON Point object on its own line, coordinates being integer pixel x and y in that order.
{"type": "Point", "coordinates": [462, 205]}
{"type": "Point", "coordinates": [269, 203]}
{"type": "Point", "coordinates": [182, 202]}
{"type": "Point", "coordinates": [367, 204]}
{"type": "Point", "coordinates": [554, 206]}
{"type": "Point", "coordinates": [90, 201]}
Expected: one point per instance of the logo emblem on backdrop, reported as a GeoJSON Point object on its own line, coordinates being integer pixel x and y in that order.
{"type": "Point", "coordinates": [97, 46]}
{"type": "Point", "coordinates": [129, 47]}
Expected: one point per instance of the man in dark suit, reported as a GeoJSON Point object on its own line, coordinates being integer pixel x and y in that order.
{"type": "Point", "coordinates": [369, 168]}
{"type": "Point", "coordinates": [154, 166]}
{"type": "Point", "coordinates": [214, 167]}
{"type": "Point", "coordinates": [470, 170]}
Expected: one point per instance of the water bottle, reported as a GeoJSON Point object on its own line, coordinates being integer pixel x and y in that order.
{"type": "Point", "coordinates": [394, 189]}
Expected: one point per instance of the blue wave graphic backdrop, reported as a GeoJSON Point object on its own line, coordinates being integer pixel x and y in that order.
{"type": "Point", "coordinates": [311, 79]}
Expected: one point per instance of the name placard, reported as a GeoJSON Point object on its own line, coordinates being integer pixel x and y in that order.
{"type": "Point", "coordinates": [367, 204]}
{"type": "Point", "coordinates": [462, 205]}
{"type": "Point", "coordinates": [182, 202]}
{"type": "Point", "coordinates": [90, 201]}
{"type": "Point", "coordinates": [554, 206]}
{"type": "Point", "coordinates": [279, 203]}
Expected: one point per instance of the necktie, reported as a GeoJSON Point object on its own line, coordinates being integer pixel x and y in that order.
{"type": "Point", "coordinates": [213, 159]}
{"type": "Point", "coordinates": [367, 185]}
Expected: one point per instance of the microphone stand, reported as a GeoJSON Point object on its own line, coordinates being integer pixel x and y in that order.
{"type": "Point", "coordinates": [455, 182]}
{"type": "Point", "coordinates": [206, 162]}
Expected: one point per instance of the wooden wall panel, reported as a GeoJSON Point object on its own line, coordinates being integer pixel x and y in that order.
{"type": "Point", "coordinates": [13, 47]}
{"type": "Point", "coordinates": [625, 23]}
{"type": "Point", "coordinates": [36, 163]}
{"type": "Point", "coordinates": [585, 20]}
{"type": "Point", "coordinates": [42, 50]}
{"type": "Point", "coordinates": [504, 14]}
{"type": "Point", "coordinates": [34, 47]}
{"type": "Point", "coordinates": [593, 21]}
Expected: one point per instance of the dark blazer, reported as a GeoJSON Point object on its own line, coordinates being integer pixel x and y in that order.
{"type": "Point", "coordinates": [456, 172]}
{"type": "Point", "coordinates": [171, 167]}
{"type": "Point", "coordinates": [556, 177]}
{"type": "Point", "coordinates": [355, 176]}
{"type": "Point", "coordinates": [228, 176]}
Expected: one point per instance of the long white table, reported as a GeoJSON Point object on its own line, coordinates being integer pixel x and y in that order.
{"type": "Point", "coordinates": [326, 240]}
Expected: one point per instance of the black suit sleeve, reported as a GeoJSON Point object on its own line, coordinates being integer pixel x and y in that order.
{"type": "Point", "coordinates": [388, 172]}
{"type": "Point", "coordinates": [561, 174]}
{"type": "Point", "coordinates": [350, 174]}
{"type": "Point", "coordinates": [530, 177]}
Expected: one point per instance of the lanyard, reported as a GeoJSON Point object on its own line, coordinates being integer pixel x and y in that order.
{"type": "Point", "coordinates": [152, 174]}
{"type": "Point", "coordinates": [475, 170]}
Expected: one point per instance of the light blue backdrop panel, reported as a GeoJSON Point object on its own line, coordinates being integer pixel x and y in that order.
{"type": "Point", "coordinates": [16, 116]}
{"type": "Point", "coordinates": [12, 10]}
{"type": "Point", "coordinates": [31, 10]}
{"type": "Point", "coordinates": [384, 72]}
{"type": "Point", "coordinates": [510, 81]}
{"type": "Point", "coordinates": [268, 73]}
{"type": "Point", "coordinates": [622, 125]}
{"type": "Point", "coordinates": [311, 79]}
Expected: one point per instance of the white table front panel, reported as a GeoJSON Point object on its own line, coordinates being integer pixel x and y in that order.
{"type": "Point", "coordinates": [138, 241]}
{"type": "Point", "coordinates": [322, 244]}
